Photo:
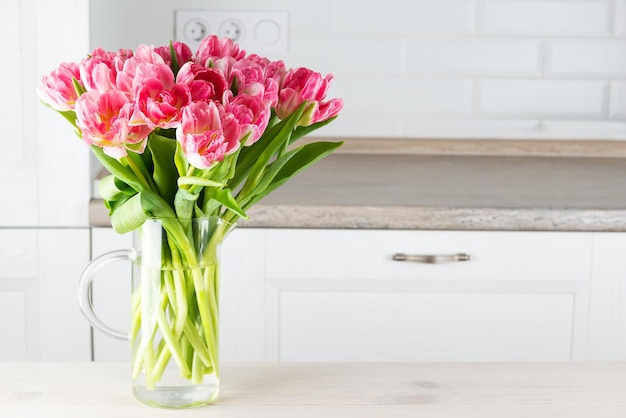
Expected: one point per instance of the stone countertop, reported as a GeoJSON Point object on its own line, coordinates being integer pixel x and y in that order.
{"type": "Point", "coordinates": [457, 192]}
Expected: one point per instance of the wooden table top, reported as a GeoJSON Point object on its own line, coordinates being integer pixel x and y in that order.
{"type": "Point", "coordinates": [303, 390]}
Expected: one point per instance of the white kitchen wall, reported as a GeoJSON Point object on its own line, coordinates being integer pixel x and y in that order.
{"type": "Point", "coordinates": [524, 69]}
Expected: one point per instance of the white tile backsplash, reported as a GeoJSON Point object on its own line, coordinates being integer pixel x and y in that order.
{"type": "Point", "coordinates": [542, 98]}
{"type": "Point", "coordinates": [546, 17]}
{"type": "Point", "coordinates": [588, 58]}
{"type": "Point", "coordinates": [437, 68]}
{"type": "Point", "coordinates": [406, 17]}
{"type": "Point", "coordinates": [475, 56]}
{"type": "Point", "coordinates": [472, 128]}
{"type": "Point", "coordinates": [406, 97]}
{"type": "Point", "coordinates": [324, 54]}
{"type": "Point", "coordinates": [619, 20]}
{"type": "Point", "coordinates": [617, 106]}
{"type": "Point", "coordinates": [581, 129]}
{"type": "Point", "coordinates": [354, 124]}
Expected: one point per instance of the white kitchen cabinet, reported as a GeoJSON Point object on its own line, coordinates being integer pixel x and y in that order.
{"type": "Point", "coordinates": [45, 187]}
{"type": "Point", "coordinates": [607, 319]}
{"type": "Point", "coordinates": [39, 271]}
{"type": "Point", "coordinates": [111, 295]}
{"type": "Point", "coordinates": [44, 167]}
{"type": "Point", "coordinates": [336, 295]}
{"type": "Point", "coordinates": [340, 296]}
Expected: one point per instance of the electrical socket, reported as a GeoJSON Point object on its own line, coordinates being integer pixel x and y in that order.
{"type": "Point", "coordinates": [196, 30]}
{"type": "Point", "coordinates": [258, 32]}
{"type": "Point", "coordinates": [233, 29]}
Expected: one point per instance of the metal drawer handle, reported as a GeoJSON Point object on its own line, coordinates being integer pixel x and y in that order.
{"type": "Point", "coordinates": [431, 258]}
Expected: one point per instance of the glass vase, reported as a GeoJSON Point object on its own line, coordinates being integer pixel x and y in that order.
{"type": "Point", "coordinates": [174, 310]}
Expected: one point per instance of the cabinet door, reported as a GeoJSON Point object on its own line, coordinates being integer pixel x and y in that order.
{"type": "Point", "coordinates": [44, 168]}
{"type": "Point", "coordinates": [338, 296]}
{"type": "Point", "coordinates": [607, 329]}
{"type": "Point", "coordinates": [111, 295]}
{"type": "Point", "coordinates": [39, 314]}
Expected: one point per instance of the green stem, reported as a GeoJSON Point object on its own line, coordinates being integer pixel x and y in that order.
{"type": "Point", "coordinates": [196, 342]}
{"type": "Point", "coordinates": [205, 317]}
{"type": "Point", "coordinates": [186, 314]}
{"type": "Point", "coordinates": [146, 181]}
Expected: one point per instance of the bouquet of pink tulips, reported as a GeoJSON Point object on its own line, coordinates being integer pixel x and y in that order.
{"type": "Point", "coordinates": [170, 124]}
{"type": "Point", "coordinates": [187, 136]}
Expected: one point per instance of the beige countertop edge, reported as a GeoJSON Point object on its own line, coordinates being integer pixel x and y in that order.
{"type": "Point", "coordinates": [418, 218]}
{"type": "Point", "coordinates": [482, 147]}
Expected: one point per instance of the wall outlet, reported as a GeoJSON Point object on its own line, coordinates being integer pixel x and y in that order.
{"type": "Point", "coordinates": [262, 32]}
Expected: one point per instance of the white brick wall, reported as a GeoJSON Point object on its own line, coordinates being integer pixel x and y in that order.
{"type": "Point", "coordinates": [439, 68]}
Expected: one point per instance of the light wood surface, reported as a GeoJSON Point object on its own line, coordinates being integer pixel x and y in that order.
{"type": "Point", "coordinates": [259, 390]}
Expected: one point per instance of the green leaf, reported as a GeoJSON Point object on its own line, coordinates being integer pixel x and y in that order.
{"type": "Point", "coordinates": [112, 188]}
{"type": "Point", "coordinates": [184, 203]}
{"type": "Point", "coordinates": [77, 87]}
{"type": "Point", "coordinates": [137, 209]}
{"type": "Point", "coordinates": [273, 169]}
{"type": "Point", "coordinates": [117, 169]}
{"type": "Point", "coordinates": [69, 115]}
{"type": "Point", "coordinates": [129, 215]}
{"type": "Point", "coordinates": [249, 154]}
{"type": "Point", "coordinates": [302, 131]}
{"type": "Point", "coordinates": [113, 205]}
{"type": "Point", "coordinates": [155, 206]}
{"type": "Point", "coordinates": [302, 158]}
{"type": "Point", "coordinates": [180, 161]}
{"type": "Point", "coordinates": [198, 181]}
{"type": "Point", "coordinates": [143, 163]}
{"type": "Point", "coordinates": [286, 127]}
{"type": "Point", "coordinates": [165, 173]}
{"type": "Point", "coordinates": [225, 197]}
{"type": "Point", "coordinates": [175, 65]}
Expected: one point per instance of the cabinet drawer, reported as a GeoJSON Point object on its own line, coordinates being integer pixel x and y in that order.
{"type": "Point", "coordinates": [408, 326]}
{"type": "Point", "coordinates": [367, 254]}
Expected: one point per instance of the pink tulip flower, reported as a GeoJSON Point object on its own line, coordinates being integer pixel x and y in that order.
{"type": "Point", "coordinates": [250, 75]}
{"type": "Point", "coordinates": [204, 83]}
{"type": "Point", "coordinates": [182, 50]}
{"type": "Point", "coordinates": [103, 119]}
{"type": "Point", "coordinates": [251, 113]}
{"type": "Point", "coordinates": [137, 67]}
{"type": "Point", "coordinates": [99, 71]}
{"type": "Point", "coordinates": [303, 85]}
{"type": "Point", "coordinates": [159, 100]}
{"type": "Point", "coordinates": [57, 88]}
{"type": "Point", "coordinates": [214, 47]}
{"type": "Point", "coordinates": [146, 53]}
{"type": "Point", "coordinates": [207, 134]}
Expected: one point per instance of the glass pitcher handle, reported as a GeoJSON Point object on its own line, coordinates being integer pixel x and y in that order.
{"type": "Point", "coordinates": [85, 285]}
